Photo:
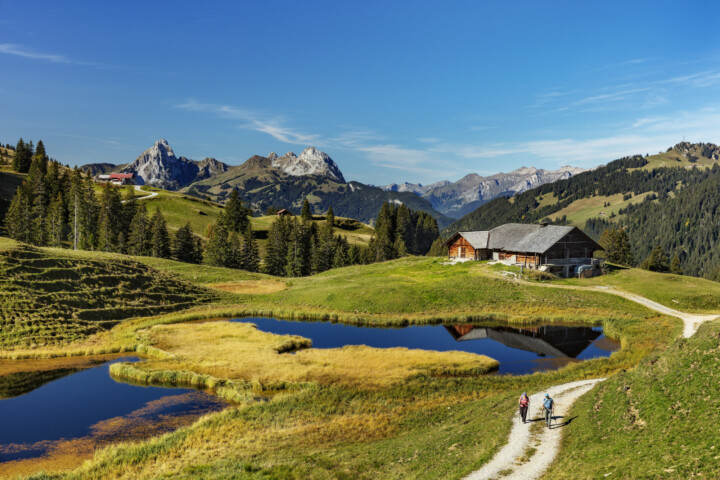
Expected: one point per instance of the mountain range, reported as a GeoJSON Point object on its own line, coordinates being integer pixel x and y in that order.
{"type": "Point", "coordinates": [456, 199]}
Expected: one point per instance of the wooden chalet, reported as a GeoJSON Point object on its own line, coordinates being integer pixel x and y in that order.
{"type": "Point", "coordinates": [558, 249]}
{"type": "Point", "coordinates": [284, 213]}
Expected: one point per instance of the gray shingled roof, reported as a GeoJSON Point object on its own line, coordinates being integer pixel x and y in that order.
{"type": "Point", "coordinates": [476, 239]}
{"type": "Point", "coordinates": [518, 237]}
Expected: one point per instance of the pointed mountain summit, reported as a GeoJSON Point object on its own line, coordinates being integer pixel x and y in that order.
{"type": "Point", "coordinates": [310, 162]}
{"type": "Point", "coordinates": [158, 166]}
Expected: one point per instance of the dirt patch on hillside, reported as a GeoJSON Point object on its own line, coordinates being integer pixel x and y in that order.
{"type": "Point", "coordinates": [250, 287]}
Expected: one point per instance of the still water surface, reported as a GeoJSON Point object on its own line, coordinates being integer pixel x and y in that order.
{"type": "Point", "coordinates": [519, 350]}
{"type": "Point", "coordinates": [87, 407]}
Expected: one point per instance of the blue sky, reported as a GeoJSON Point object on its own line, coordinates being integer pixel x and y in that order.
{"type": "Point", "coordinates": [393, 91]}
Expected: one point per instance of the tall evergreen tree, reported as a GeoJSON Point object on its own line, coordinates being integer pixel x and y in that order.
{"type": "Point", "coordinates": [330, 217]}
{"type": "Point", "coordinates": [306, 214]}
{"type": "Point", "coordinates": [250, 253]}
{"type": "Point", "coordinates": [110, 220]}
{"type": "Point", "coordinates": [675, 265]}
{"type": "Point", "coordinates": [56, 221]}
{"type": "Point", "coordinates": [22, 157]}
{"type": "Point", "coordinates": [277, 247]}
{"type": "Point", "coordinates": [159, 237]}
{"type": "Point", "coordinates": [236, 213]}
{"type": "Point", "coordinates": [18, 220]}
{"type": "Point", "coordinates": [219, 250]}
{"type": "Point", "coordinates": [138, 242]}
{"type": "Point", "coordinates": [187, 247]}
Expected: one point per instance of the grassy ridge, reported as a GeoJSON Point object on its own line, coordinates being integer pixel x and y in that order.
{"type": "Point", "coordinates": [54, 296]}
{"type": "Point", "coordinates": [657, 421]}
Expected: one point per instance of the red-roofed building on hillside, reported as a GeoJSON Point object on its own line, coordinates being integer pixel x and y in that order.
{"type": "Point", "coordinates": [116, 178]}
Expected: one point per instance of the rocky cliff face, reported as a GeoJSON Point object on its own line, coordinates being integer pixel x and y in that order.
{"type": "Point", "coordinates": [310, 162]}
{"type": "Point", "coordinates": [461, 197]}
{"type": "Point", "coordinates": [158, 166]}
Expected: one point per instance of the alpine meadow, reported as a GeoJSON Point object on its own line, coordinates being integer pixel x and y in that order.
{"type": "Point", "coordinates": [282, 240]}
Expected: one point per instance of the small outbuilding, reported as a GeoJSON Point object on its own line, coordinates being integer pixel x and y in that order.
{"type": "Point", "coordinates": [285, 213]}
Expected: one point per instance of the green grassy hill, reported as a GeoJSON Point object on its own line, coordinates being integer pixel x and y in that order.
{"type": "Point", "coordinates": [178, 208]}
{"type": "Point", "coordinates": [264, 187]}
{"type": "Point", "coordinates": [657, 421]}
{"type": "Point", "coordinates": [55, 296]}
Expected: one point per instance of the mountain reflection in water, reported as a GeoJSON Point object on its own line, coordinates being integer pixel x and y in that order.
{"type": "Point", "coordinates": [519, 350]}
{"type": "Point", "coordinates": [545, 341]}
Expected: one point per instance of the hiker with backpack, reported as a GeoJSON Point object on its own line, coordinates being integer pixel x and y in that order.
{"type": "Point", "coordinates": [548, 406]}
{"type": "Point", "coordinates": [524, 404]}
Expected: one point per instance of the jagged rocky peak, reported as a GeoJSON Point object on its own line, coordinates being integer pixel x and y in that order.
{"type": "Point", "coordinates": [158, 166]}
{"type": "Point", "coordinates": [310, 162]}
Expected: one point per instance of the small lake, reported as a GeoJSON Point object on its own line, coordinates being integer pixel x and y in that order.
{"type": "Point", "coordinates": [68, 412]}
{"type": "Point", "coordinates": [519, 350]}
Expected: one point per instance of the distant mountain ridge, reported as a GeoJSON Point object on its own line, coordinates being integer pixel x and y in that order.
{"type": "Point", "coordinates": [286, 181]}
{"type": "Point", "coordinates": [456, 199]}
{"type": "Point", "coordinates": [158, 166]}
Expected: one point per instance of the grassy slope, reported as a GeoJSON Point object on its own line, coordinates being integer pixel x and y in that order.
{"type": "Point", "coordinates": [657, 421]}
{"type": "Point", "coordinates": [687, 294]}
{"type": "Point", "coordinates": [55, 296]}
{"type": "Point", "coordinates": [421, 425]}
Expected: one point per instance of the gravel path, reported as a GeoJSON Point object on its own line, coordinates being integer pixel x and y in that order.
{"type": "Point", "coordinates": [139, 189]}
{"type": "Point", "coordinates": [691, 321]}
{"type": "Point", "coordinates": [509, 463]}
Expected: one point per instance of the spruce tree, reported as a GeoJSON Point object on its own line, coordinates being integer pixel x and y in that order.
{"type": "Point", "coordinates": [56, 222]}
{"type": "Point", "coordinates": [657, 261]}
{"type": "Point", "coordinates": [330, 218]}
{"type": "Point", "coordinates": [251, 253]}
{"type": "Point", "coordinates": [675, 265]}
{"type": "Point", "coordinates": [186, 246]}
{"type": "Point", "coordinates": [22, 157]}
{"type": "Point", "coordinates": [234, 253]}
{"type": "Point", "coordinates": [159, 237]}
{"type": "Point", "coordinates": [306, 214]}
{"type": "Point", "coordinates": [18, 220]}
{"type": "Point", "coordinates": [110, 220]}
{"type": "Point", "coordinates": [217, 252]}
{"type": "Point", "coordinates": [138, 241]}
{"type": "Point", "coordinates": [277, 247]}
{"type": "Point", "coordinates": [236, 213]}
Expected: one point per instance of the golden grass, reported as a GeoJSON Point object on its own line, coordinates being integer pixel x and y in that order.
{"type": "Point", "coordinates": [239, 351]}
{"type": "Point", "coordinates": [250, 287]}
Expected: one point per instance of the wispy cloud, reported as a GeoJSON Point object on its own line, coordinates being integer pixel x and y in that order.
{"type": "Point", "coordinates": [29, 53]}
{"type": "Point", "coordinates": [253, 121]}
{"type": "Point", "coordinates": [432, 158]}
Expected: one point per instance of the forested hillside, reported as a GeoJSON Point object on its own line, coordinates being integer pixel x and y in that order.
{"type": "Point", "coordinates": [668, 200]}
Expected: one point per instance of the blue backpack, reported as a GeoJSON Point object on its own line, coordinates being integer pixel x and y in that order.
{"type": "Point", "coordinates": [548, 404]}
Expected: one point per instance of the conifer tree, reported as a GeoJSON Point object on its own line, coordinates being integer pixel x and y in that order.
{"type": "Point", "coordinates": [330, 218]}
{"type": "Point", "coordinates": [159, 237]}
{"type": "Point", "coordinates": [250, 253]}
{"type": "Point", "coordinates": [22, 157]}
{"type": "Point", "coordinates": [56, 221]}
{"type": "Point", "coordinates": [657, 261]}
{"type": "Point", "coordinates": [236, 213]}
{"type": "Point", "coordinates": [235, 251]}
{"type": "Point", "coordinates": [675, 265]}
{"type": "Point", "coordinates": [187, 247]}
{"type": "Point", "coordinates": [138, 241]}
{"type": "Point", "coordinates": [18, 220]}
{"type": "Point", "coordinates": [437, 249]}
{"type": "Point", "coordinates": [110, 220]}
{"type": "Point", "coordinates": [277, 247]}
{"type": "Point", "coordinates": [306, 214]}
{"type": "Point", "coordinates": [218, 250]}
